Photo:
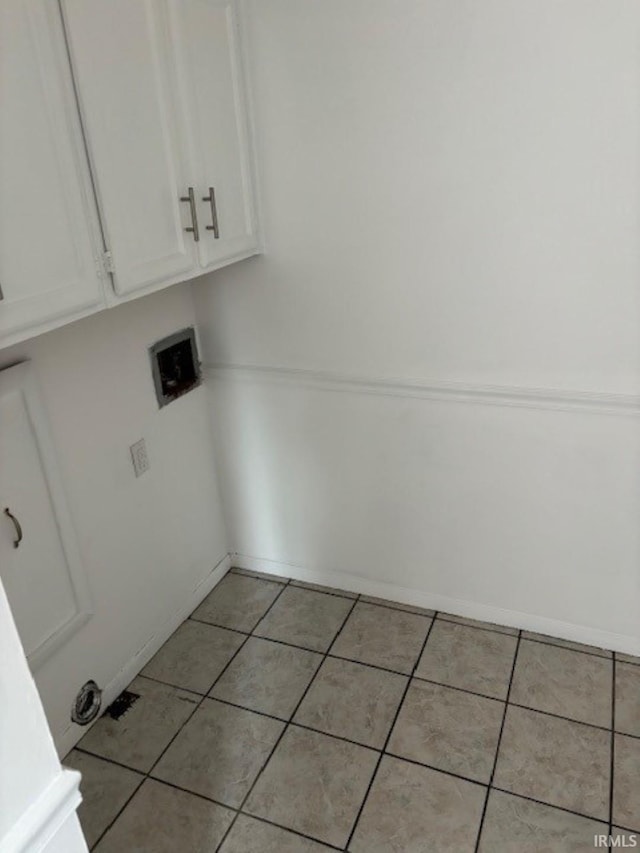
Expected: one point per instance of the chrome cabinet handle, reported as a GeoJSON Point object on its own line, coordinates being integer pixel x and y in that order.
{"type": "Point", "coordinates": [211, 198]}
{"type": "Point", "coordinates": [194, 215]}
{"type": "Point", "coordinates": [16, 524]}
{"type": "Point", "coordinates": [1, 294]}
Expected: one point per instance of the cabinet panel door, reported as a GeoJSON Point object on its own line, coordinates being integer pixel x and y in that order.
{"type": "Point", "coordinates": [209, 69]}
{"type": "Point", "coordinates": [42, 575]}
{"type": "Point", "coordinates": [48, 223]}
{"type": "Point", "coordinates": [121, 57]}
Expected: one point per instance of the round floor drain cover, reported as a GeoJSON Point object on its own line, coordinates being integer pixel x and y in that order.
{"type": "Point", "coordinates": [87, 705]}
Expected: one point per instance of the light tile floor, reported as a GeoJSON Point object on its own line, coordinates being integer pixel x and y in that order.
{"type": "Point", "coordinates": [282, 718]}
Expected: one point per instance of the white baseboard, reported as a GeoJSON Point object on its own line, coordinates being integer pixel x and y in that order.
{"type": "Point", "coordinates": [39, 824]}
{"type": "Point", "coordinates": [457, 606]}
{"type": "Point", "coordinates": [72, 735]}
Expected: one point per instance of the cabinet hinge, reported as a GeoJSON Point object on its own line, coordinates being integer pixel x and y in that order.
{"type": "Point", "coordinates": [107, 262]}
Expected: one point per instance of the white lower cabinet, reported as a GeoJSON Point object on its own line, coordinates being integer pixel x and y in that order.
{"type": "Point", "coordinates": [39, 561]}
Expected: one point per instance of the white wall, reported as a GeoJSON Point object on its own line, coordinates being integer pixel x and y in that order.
{"type": "Point", "coordinates": [450, 198]}
{"type": "Point", "coordinates": [145, 543]}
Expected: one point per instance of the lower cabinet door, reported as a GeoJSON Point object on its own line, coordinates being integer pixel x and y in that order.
{"type": "Point", "coordinates": [39, 561]}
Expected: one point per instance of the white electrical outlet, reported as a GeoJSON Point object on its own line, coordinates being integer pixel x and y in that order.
{"type": "Point", "coordinates": [139, 457]}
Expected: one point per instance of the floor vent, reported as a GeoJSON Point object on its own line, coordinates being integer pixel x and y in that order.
{"type": "Point", "coordinates": [122, 704]}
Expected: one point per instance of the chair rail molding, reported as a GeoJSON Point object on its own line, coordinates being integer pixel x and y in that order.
{"type": "Point", "coordinates": [520, 396]}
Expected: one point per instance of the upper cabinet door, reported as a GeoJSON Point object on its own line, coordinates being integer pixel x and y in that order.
{"type": "Point", "coordinates": [205, 36]}
{"type": "Point", "coordinates": [123, 61]}
{"type": "Point", "coordinates": [49, 236]}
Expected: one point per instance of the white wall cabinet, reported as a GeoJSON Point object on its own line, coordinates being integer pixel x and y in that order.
{"type": "Point", "coordinates": [160, 88]}
{"type": "Point", "coordinates": [207, 56]}
{"type": "Point", "coordinates": [162, 98]}
{"type": "Point", "coordinates": [49, 236]}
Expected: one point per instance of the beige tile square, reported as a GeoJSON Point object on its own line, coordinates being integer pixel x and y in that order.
{"type": "Point", "coordinates": [448, 729]}
{"type": "Point", "coordinates": [254, 836]}
{"type": "Point", "coordinates": [352, 701]}
{"type": "Point", "coordinates": [628, 699]}
{"type": "Point", "coordinates": [412, 809]}
{"type": "Point", "coordinates": [567, 644]}
{"type": "Point", "coordinates": [559, 762]}
{"type": "Point", "coordinates": [465, 657]}
{"type": "Point", "coordinates": [514, 825]}
{"type": "Point", "coordinates": [105, 789]}
{"type": "Point", "coordinates": [626, 782]}
{"type": "Point", "coordinates": [314, 784]}
{"type": "Point", "coordinates": [268, 677]}
{"type": "Point", "coordinates": [194, 656]}
{"type": "Point", "coordinates": [305, 618]}
{"type": "Point", "coordinates": [238, 602]}
{"type": "Point", "coordinates": [396, 605]}
{"type": "Point", "coordinates": [219, 752]}
{"type": "Point", "coordinates": [477, 623]}
{"type": "Point", "coordinates": [559, 681]}
{"type": "Point", "coordinates": [161, 819]}
{"type": "Point", "coordinates": [139, 737]}
{"type": "Point", "coordinates": [331, 590]}
{"type": "Point", "coordinates": [382, 637]}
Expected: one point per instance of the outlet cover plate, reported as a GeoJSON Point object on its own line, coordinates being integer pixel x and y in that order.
{"type": "Point", "coordinates": [139, 457]}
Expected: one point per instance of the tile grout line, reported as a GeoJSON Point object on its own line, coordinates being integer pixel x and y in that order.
{"type": "Point", "coordinates": [416, 763]}
{"type": "Point", "coordinates": [455, 620]}
{"type": "Point", "coordinates": [120, 810]}
{"type": "Point", "coordinates": [147, 775]}
{"type": "Point", "coordinates": [281, 826]}
{"type": "Point", "coordinates": [568, 648]}
{"type": "Point", "coordinates": [397, 672]}
{"type": "Point", "coordinates": [548, 805]}
{"type": "Point", "coordinates": [390, 732]}
{"type": "Point", "coordinates": [336, 737]}
{"type": "Point", "coordinates": [495, 760]}
{"type": "Point", "coordinates": [426, 616]}
{"type": "Point", "coordinates": [613, 745]}
{"type": "Point", "coordinates": [218, 625]}
{"type": "Point", "coordinates": [380, 669]}
{"type": "Point", "coordinates": [287, 724]}
{"type": "Point", "coordinates": [334, 656]}
{"type": "Point", "coordinates": [560, 717]}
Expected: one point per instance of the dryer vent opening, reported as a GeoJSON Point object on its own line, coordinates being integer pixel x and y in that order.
{"type": "Point", "coordinates": [87, 704]}
{"type": "Point", "coordinates": [175, 366]}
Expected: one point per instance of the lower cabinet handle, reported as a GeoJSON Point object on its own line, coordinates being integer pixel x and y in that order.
{"type": "Point", "coordinates": [16, 524]}
{"type": "Point", "coordinates": [211, 198]}
{"type": "Point", "coordinates": [190, 199]}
